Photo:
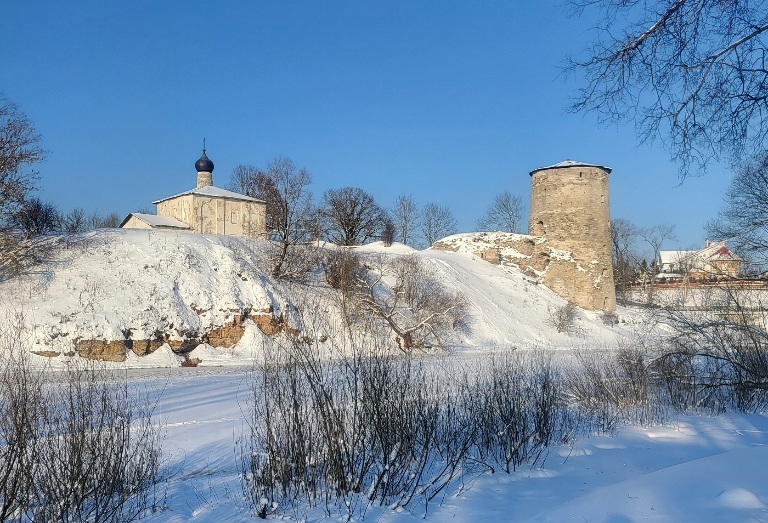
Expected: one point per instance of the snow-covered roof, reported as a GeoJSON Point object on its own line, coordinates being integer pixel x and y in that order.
{"type": "Point", "coordinates": [674, 256]}
{"type": "Point", "coordinates": [154, 221]}
{"type": "Point", "coordinates": [213, 192]}
{"type": "Point", "coordinates": [571, 163]}
{"type": "Point", "coordinates": [714, 251]}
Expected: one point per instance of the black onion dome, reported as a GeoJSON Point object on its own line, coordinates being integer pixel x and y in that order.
{"type": "Point", "coordinates": [204, 164]}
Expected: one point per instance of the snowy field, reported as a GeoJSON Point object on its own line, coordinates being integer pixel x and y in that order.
{"type": "Point", "coordinates": [692, 469]}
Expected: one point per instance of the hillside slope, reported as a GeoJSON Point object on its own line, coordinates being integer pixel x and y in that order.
{"type": "Point", "coordinates": [149, 291]}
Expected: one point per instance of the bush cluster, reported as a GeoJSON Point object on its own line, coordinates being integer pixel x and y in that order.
{"type": "Point", "coordinates": [74, 445]}
{"type": "Point", "coordinates": [375, 429]}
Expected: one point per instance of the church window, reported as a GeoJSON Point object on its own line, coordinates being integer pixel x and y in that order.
{"type": "Point", "coordinates": [233, 217]}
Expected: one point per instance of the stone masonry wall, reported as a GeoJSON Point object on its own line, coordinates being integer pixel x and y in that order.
{"type": "Point", "coordinates": [570, 210]}
{"type": "Point", "coordinates": [533, 255]}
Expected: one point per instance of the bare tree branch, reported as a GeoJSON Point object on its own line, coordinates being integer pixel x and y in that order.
{"type": "Point", "coordinates": [690, 72]}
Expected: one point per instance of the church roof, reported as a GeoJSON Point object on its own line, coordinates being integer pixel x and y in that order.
{"type": "Point", "coordinates": [213, 192]}
{"type": "Point", "coordinates": [159, 222]}
{"type": "Point", "coordinates": [571, 163]}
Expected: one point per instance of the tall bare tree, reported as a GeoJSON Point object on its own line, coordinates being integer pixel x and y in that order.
{"type": "Point", "coordinates": [243, 180]}
{"type": "Point", "coordinates": [625, 261]}
{"type": "Point", "coordinates": [19, 150]}
{"type": "Point", "coordinates": [655, 236]}
{"type": "Point", "coordinates": [743, 221]}
{"type": "Point", "coordinates": [437, 222]}
{"type": "Point", "coordinates": [405, 215]}
{"type": "Point", "coordinates": [691, 72]}
{"type": "Point", "coordinates": [285, 188]}
{"type": "Point", "coordinates": [503, 214]}
{"type": "Point", "coordinates": [351, 216]}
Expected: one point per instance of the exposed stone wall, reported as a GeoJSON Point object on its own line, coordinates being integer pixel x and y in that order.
{"type": "Point", "coordinates": [225, 336]}
{"type": "Point", "coordinates": [557, 269]}
{"type": "Point", "coordinates": [570, 210]}
{"type": "Point", "coordinates": [204, 179]}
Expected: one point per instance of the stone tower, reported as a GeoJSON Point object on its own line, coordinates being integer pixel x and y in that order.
{"type": "Point", "coordinates": [569, 208]}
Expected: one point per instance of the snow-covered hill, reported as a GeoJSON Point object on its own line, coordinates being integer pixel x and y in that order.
{"type": "Point", "coordinates": [142, 293]}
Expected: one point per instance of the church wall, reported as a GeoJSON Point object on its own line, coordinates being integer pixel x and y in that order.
{"type": "Point", "coordinates": [232, 217]}
{"type": "Point", "coordinates": [182, 208]}
{"type": "Point", "coordinates": [253, 219]}
{"type": "Point", "coordinates": [207, 215]}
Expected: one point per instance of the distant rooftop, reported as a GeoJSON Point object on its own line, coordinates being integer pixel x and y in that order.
{"type": "Point", "coordinates": [571, 163]}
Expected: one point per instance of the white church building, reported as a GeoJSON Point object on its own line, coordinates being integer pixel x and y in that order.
{"type": "Point", "coordinates": [205, 210]}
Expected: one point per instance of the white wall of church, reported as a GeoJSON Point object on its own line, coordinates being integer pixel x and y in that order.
{"type": "Point", "coordinates": [207, 215]}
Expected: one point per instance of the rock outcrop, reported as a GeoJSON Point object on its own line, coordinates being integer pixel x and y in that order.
{"type": "Point", "coordinates": [226, 336]}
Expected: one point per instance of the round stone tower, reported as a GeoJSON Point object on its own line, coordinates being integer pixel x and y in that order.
{"type": "Point", "coordinates": [204, 168]}
{"type": "Point", "coordinates": [569, 209]}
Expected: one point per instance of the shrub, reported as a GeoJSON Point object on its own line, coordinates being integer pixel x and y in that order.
{"type": "Point", "coordinates": [77, 447]}
{"type": "Point", "coordinates": [565, 318]}
{"type": "Point", "coordinates": [612, 386]}
{"type": "Point", "coordinates": [373, 428]}
{"type": "Point", "coordinates": [343, 269]}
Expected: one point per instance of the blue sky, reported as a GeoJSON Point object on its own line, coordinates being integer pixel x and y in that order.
{"type": "Point", "coordinates": [450, 102]}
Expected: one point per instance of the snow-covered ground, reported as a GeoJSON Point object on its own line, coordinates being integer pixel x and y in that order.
{"type": "Point", "coordinates": [692, 469]}
{"type": "Point", "coordinates": [140, 284]}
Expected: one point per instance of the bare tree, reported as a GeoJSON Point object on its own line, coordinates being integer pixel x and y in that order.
{"type": "Point", "coordinates": [388, 233]}
{"type": "Point", "coordinates": [655, 236]}
{"type": "Point", "coordinates": [36, 218]}
{"type": "Point", "coordinates": [405, 214]}
{"type": "Point", "coordinates": [503, 214]}
{"type": "Point", "coordinates": [99, 221]}
{"type": "Point", "coordinates": [289, 211]}
{"type": "Point", "coordinates": [74, 222]}
{"type": "Point", "coordinates": [743, 221]}
{"type": "Point", "coordinates": [418, 308]}
{"type": "Point", "coordinates": [690, 71]}
{"type": "Point", "coordinates": [625, 261]}
{"type": "Point", "coordinates": [437, 222]}
{"type": "Point", "coordinates": [351, 216]}
{"type": "Point", "coordinates": [19, 149]}
{"type": "Point", "coordinates": [243, 180]}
